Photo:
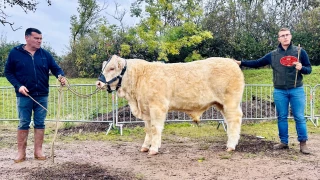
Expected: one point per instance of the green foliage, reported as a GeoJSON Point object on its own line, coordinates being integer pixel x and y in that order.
{"type": "Point", "coordinates": [248, 29]}
{"type": "Point", "coordinates": [307, 34]}
{"type": "Point", "coordinates": [193, 57]}
{"type": "Point", "coordinates": [87, 44]}
{"type": "Point", "coordinates": [184, 31]}
{"type": "Point", "coordinates": [5, 48]}
{"type": "Point", "coordinates": [125, 49]}
{"type": "Point", "coordinates": [88, 16]}
{"type": "Point", "coordinates": [170, 26]}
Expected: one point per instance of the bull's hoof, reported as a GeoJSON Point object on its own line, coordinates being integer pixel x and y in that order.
{"type": "Point", "coordinates": [230, 149]}
{"type": "Point", "coordinates": [144, 149]}
{"type": "Point", "coordinates": [151, 152]}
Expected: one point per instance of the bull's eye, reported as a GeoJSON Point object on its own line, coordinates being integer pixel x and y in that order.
{"type": "Point", "coordinates": [111, 69]}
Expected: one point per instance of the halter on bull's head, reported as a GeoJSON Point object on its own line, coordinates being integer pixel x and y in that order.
{"type": "Point", "coordinates": [112, 73]}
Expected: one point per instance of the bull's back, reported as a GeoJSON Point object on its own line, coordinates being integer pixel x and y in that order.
{"type": "Point", "coordinates": [212, 74]}
{"type": "Point", "coordinates": [190, 85]}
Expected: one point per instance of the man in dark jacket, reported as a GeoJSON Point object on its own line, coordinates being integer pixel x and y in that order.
{"type": "Point", "coordinates": [288, 63]}
{"type": "Point", "coordinates": [27, 69]}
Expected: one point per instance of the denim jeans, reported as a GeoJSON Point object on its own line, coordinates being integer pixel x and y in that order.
{"type": "Point", "coordinates": [25, 108]}
{"type": "Point", "coordinates": [296, 98]}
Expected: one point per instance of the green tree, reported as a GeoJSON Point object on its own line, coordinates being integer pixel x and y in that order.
{"type": "Point", "coordinates": [85, 40]}
{"type": "Point", "coordinates": [5, 48]}
{"type": "Point", "coordinates": [87, 18]}
{"type": "Point", "coordinates": [307, 34]}
{"type": "Point", "coordinates": [169, 26]}
{"type": "Point", "coordinates": [248, 29]}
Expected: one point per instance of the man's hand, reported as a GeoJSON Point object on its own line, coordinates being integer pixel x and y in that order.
{"type": "Point", "coordinates": [238, 62]}
{"type": "Point", "coordinates": [298, 65]}
{"type": "Point", "coordinates": [62, 80]}
{"type": "Point", "coordinates": [23, 90]}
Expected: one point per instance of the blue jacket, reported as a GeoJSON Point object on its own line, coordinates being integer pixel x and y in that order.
{"type": "Point", "coordinates": [23, 69]}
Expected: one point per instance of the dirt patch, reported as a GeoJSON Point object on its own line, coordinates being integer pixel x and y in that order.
{"type": "Point", "coordinates": [179, 158]}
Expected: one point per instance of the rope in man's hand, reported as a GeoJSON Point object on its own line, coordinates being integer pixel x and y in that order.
{"type": "Point", "coordinates": [62, 81]}
{"type": "Point", "coordinates": [65, 83]}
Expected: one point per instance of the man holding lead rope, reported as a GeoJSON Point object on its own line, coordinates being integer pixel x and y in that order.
{"type": "Point", "coordinates": [288, 63]}
{"type": "Point", "coordinates": [27, 69]}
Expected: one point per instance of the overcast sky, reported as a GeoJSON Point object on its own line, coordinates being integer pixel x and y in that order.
{"type": "Point", "coordinates": [53, 21]}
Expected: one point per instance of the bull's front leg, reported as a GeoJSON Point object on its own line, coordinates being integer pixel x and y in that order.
{"type": "Point", "coordinates": [158, 117]}
{"type": "Point", "coordinates": [233, 120]}
{"type": "Point", "coordinates": [148, 138]}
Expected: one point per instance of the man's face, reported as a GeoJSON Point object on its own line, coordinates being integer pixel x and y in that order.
{"type": "Point", "coordinates": [34, 40]}
{"type": "Point", "coordinates": [284, 37]}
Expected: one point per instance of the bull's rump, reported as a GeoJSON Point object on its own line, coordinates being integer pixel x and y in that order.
{"type": "Point", "coordinates": [188, 86]}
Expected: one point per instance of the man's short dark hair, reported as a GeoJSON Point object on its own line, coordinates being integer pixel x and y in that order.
{"type": "Point", "coordinates": [30, 30]}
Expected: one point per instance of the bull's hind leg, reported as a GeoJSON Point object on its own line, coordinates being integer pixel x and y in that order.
{"type": "Point", "coordinates": [158, 117]}
{"type": "Point", "coordinates": [148, 138]}
{"type": "Point", "coordinates": [233, 118]}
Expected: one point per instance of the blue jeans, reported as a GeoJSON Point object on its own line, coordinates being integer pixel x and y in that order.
{"type": "Point", "coordinates": [296, 98]}
{"type": "Point", "coordinates": [25, 107]}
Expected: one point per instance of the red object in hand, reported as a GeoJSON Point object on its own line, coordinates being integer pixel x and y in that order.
{"type": "Point", "coordinates": [288, 60]}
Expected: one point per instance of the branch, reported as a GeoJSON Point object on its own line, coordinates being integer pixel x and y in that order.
{"type": "Point", "coordinates": [26, 6]}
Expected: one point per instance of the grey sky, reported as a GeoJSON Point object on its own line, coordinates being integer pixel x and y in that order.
{"type": "Point", "coordinates": [53, 21]}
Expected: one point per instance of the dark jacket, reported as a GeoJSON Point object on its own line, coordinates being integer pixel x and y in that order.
{"type": "Point", "coordinates": [23, 69]}
{"type": "Point", "coordinates": [283, 76]}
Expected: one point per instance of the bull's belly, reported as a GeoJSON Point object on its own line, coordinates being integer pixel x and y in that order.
{"type": "Point", "coordinates": [190, 106]}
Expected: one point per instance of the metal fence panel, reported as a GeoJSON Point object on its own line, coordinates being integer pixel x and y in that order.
{"type": "Point", "coordinates": [74, 108]}
{"type": "Point", "coordinates": [257, 104]}
{"type": "Point", "coordinates": [315, 103]}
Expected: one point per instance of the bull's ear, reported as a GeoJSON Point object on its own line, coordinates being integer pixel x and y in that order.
{"type": "Point", "coordinates": [104, 64]}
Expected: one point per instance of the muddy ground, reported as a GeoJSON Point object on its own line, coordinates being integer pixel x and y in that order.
{"type": "Point", "coordinates": [179, 159]}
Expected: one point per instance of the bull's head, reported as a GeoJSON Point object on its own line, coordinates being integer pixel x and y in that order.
{"type": "Point", "coordinates": [112, 73]}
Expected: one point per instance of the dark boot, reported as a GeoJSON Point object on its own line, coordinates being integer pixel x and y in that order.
{"type": "Point", "coordinates": [38, 140]}
{"type": "Point", "coordinates": [303, 147]}
{"type": "Point", "coordinates": [22, 137]}
{"type": "Point", "coordinates": [280, 146]}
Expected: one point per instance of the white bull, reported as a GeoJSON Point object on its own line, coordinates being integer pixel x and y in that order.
{"type": "Point", "coordinates": [153, 88]}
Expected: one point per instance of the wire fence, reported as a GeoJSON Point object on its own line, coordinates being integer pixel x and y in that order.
{"type": "Point", "coordinates": [257, 104]}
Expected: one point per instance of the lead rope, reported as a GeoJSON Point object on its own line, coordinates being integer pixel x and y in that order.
{"type": "Point", "coordinates": [60, 95]}
{"type": "Point", "coordinates": [37, 103]}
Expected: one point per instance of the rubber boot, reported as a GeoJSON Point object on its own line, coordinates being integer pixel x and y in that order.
{"type": "Point", "coordinates": [22, 138]}
{"type": "Point", "coordinates": [303, 147]}
{"type": "Point", "coordinates": [38, 141]}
